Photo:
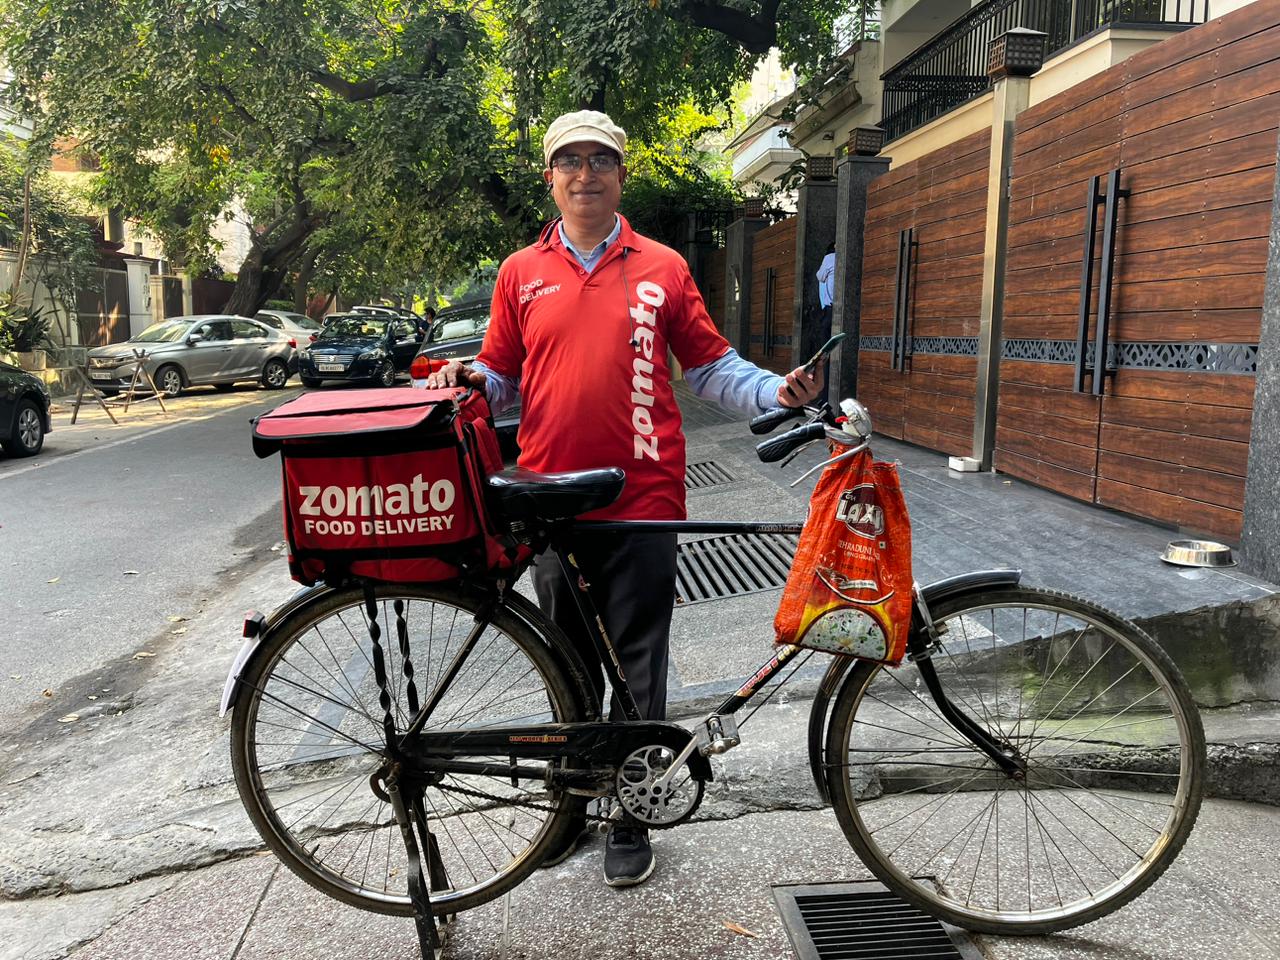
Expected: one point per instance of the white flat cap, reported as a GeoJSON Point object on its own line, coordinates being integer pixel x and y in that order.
{"type": "Point", "coordinates": [583, 125]}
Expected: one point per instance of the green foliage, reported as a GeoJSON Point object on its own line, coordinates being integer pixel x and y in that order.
{"type": "Point", "coordinates": [372, 143]}
{"type": "Point", "coordinates": [673, 176]}
{"type": "Point", "coordinates": [24, 328]}
{"type": "Point", "coordinates": [366, 125]}
{"type": "Point", "coordinates": [61, 255]}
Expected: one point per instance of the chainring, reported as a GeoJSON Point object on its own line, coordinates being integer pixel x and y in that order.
{"type": "Point", "coordinates": [650, 802]}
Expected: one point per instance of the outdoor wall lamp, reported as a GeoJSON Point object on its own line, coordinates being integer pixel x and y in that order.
{"type": "Point", "coordinates": [1016, 53]}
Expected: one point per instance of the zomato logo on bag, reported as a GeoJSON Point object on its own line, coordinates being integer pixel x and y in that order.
{"type": "Point", "coordinates": [420, 506]}
{"type": "Point", "coordinates": [860, 511]}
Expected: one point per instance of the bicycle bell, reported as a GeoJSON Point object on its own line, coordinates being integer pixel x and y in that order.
{"type": "Point", "coordinates": [857, 419]}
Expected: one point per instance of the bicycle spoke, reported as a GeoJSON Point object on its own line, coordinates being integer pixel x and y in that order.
{"type": "Point", "coordinates": [1091, 717]}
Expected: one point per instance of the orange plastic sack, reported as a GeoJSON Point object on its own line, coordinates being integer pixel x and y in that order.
{"type": "Point", "coordinates": [849, 590]}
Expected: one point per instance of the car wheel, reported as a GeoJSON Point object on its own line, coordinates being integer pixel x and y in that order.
{"type": "Point", "coordinates": [309, 381]}
{"type": "Point", "coordinates": [275, 375]}
{"type": "Point", "coordinates": [28, 431]}
{"type": "Point", "coordinates": [223, 387]}
{"type": "Point", "coordinates": [386, 375]}
{"type": "Point", "coordinates": [169, 380]}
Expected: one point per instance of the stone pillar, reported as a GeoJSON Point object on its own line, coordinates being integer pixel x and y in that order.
{"type": "Point", "coordinates": [1012, 58]}
{"type": "Point", "coordinates": [853, 178]}
{"type": "Point", "coordinates": [737, 280]}
{"type": "Point", "coordinates": [1260, 540]}
{"type": "Point", "coordinates": [188, 295]}
{"type": "Point", "coordinates": [815, 231]}
{"type": "Point", "coordinates": [1011, 98]}
{"type": "Point", "coordinates": [138, 279]}
{"type": "Point", "coordinates": [156, 284]}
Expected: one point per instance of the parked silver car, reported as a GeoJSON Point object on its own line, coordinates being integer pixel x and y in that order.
{"type": "Point", "coordinates": [297, 325]}
{"type": "Point", "coordinates": [182, 352]}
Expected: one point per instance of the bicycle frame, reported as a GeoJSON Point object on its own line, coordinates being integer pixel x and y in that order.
{"type": "Point", "coordinates": [601, 742]}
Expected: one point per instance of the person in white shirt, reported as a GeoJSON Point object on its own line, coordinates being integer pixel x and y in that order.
{"type": "Point", "coordinates": [827, 286]}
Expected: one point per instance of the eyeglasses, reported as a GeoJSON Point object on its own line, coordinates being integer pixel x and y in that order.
{"type": "Point", "coordinates": [572, 163]}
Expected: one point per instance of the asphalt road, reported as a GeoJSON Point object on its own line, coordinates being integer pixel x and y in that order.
{"type": "Point", "coordinates": [98, 550]}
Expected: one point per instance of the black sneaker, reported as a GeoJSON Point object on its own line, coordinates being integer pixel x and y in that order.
{"type": "Point", "coordinates": [628, 857]}
{"type": "Point", "coordinates": [565, 849]}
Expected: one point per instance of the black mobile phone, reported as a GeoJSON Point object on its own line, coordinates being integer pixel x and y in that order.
{"type": "Point", "coordinates": [824, 351]}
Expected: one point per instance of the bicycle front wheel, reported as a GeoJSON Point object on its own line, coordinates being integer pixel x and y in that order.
{"type": "Point", "coordinates": [1108, 737]}
{"type": "Point", "coordinates": [308, 744]}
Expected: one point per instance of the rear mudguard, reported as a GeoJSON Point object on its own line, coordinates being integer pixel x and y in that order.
{"type": "Point", "coordinates": [934, 593]}
{"type": "Point", "coordinates": [258, 631]}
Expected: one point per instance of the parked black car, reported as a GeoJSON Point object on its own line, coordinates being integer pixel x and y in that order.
{"type": "Point", "coordinates": [358, 346]}
{"type": "Point", "coordinates": [24, 412]}
{"type": "Point", "coordinates": [458, 334]}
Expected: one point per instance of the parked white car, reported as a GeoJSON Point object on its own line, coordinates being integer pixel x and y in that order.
{"type": "Point", "coordinates": [181, 352]}
{"type": "Point", "coordinates": [297, 325]}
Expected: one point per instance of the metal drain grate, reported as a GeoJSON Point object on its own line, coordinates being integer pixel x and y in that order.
{"type": "Point", "coordinates": [843, 921]}
{"type": "Point", "coordinates": [730, 566]}
{"type": "Point", "coordinates": [708, 473]}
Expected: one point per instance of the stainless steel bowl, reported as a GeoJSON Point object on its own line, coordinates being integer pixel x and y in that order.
{"type": "Point", "coordinates": [1197, 553]}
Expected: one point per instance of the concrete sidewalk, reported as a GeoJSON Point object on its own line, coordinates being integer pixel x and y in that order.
{"type": "Point", "coordinates": [122, 836]}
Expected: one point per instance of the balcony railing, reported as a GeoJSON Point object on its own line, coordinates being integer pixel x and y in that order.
{"type": "Point", "coordinates": [951, 69]}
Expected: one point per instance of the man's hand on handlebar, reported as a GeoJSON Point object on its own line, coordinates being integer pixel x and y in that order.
{"type": "Point", "coordinates": [801, 386]}
{"type": "Point", "coordinates": [455, 373]}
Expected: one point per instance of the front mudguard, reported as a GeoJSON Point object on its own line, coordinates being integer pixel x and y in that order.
{"type": "Point", "coordinates": [933, 594]}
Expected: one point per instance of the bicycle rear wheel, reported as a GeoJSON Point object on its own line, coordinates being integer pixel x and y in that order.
{"type": "Point", "coordinates": [1114, 765]}
{"type": "Point", "coordinates": [309, 748]}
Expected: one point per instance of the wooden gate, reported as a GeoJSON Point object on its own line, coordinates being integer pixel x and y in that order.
{"type": "Point", "coordinates": [103, 314]}
{"type": "Point", "coordinates": [773, 287]}
{"type": "Point", "coordinates": [921, 294]}
{"type": "Point", "coordinates": [1170, 156]}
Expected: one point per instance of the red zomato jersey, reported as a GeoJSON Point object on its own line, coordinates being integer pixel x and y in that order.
{"type": "Point", "coordinates": [590, 352]}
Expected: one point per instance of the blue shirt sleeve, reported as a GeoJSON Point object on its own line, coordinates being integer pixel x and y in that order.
{"type": "Point", "coordinates": [500, 392]}
{"type": "Point", "coordinates": [736, 383]}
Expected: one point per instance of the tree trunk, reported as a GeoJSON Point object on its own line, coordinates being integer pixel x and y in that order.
{"type": "Point", "coordinates": [267, 266]}
{"type": "Point", "coordinates": [24, 245]}
{"type": "Point", "coordinates": [302, 280]}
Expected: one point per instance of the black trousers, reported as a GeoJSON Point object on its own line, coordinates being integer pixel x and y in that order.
{"type": "Point", "coordinates": [633, 583]}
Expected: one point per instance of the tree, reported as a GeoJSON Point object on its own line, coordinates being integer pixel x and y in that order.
{"type": "Point", "coordinates": [364, 138]}
{"type": "Point", "coordinates": [48, 228]}
{"type": "Point", "coordinates": [642, 59]}
{"type": "Point", "coordinates": [307, 115]}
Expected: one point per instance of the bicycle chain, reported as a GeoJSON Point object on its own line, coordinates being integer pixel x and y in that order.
{"type": "Point", "coordinates": [597, 818]}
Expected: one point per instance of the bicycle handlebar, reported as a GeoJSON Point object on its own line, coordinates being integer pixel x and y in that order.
{"type": "Point", "coordinates": [778, 447]}
{"type": "Point", "coordinates": [767, 421]}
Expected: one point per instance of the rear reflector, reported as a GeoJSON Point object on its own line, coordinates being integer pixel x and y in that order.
{"type": "Point", "coordinates": [423, 367]}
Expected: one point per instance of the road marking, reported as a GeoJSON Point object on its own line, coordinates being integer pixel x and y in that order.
{"type": "Point", "coordinates": [63, 458]}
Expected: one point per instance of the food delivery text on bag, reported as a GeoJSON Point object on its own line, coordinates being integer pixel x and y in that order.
{"type": "Point", "coordinates": [849, 590]}
{"type": "Point", "coordinates": [387, 484]}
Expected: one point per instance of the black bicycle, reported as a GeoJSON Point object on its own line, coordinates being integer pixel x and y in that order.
{"type": "Point", "coordinates": [1035, 763]}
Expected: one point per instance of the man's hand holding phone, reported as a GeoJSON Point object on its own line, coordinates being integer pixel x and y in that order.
{"type": "Point", "coordinates": [805, 383]}
{"type": "Point", "coordinates": [802, 386]}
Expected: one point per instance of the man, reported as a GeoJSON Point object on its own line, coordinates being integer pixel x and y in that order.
{"type": "Point", "coordinates": [425, 323]}
{"type": "Point", "coordinates": [581, 325]}
{"type": "Point", "coordinates": [826, 276]}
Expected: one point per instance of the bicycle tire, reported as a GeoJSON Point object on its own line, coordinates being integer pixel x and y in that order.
{"type": "Point", "coordinates": [338, 742]}
{"type": "Point", "coordinates": [1126, 791]}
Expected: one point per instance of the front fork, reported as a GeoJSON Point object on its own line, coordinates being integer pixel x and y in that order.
{"type": "Point", "coordinates": [925, 640]}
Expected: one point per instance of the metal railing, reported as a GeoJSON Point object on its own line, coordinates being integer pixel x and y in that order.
{"type": "Point", "coordinates": [856, 26]}
{"type": "Point", "coordinates": [951, 69]}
